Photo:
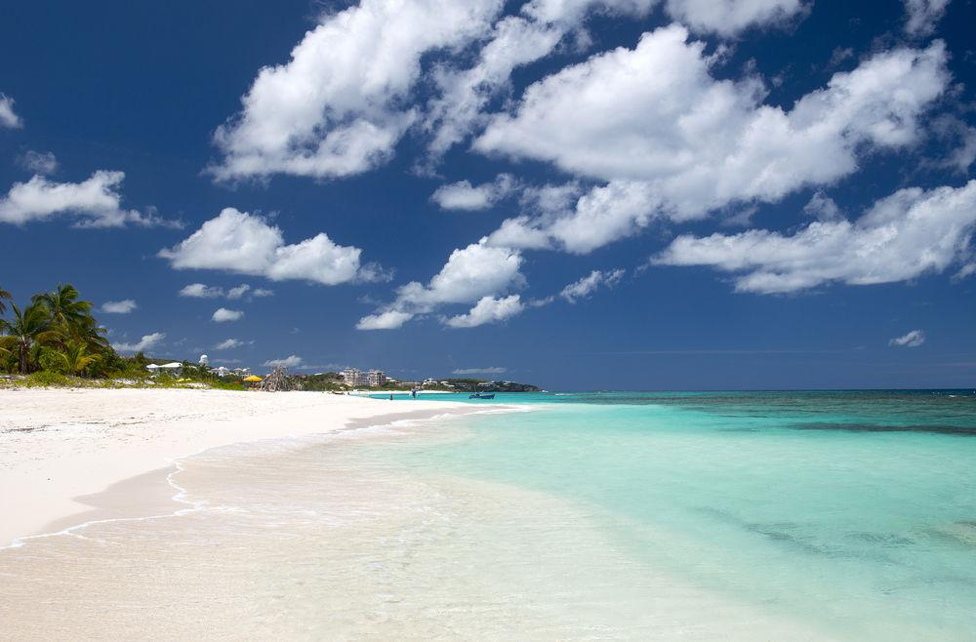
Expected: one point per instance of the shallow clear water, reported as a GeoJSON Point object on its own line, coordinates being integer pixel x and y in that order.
{"type": "Point", "coordinates": [588, 516]}
{"type": "Point", "coordinates": [854, 512]}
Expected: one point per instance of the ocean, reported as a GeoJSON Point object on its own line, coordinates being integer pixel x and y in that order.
{"type": "Point", "coordinates": [619, 515]}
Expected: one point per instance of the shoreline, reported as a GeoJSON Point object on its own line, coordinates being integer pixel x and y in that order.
{"type": "Point", "coordinates": [62, 450]}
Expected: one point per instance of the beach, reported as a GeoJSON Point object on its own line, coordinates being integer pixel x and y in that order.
{"type": "Point", "coordinates": [586, 516]}
{"type": "Point", "coordinates": [59, 445]}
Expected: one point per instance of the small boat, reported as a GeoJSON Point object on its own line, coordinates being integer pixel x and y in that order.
{"type": "Point", "coordinates": [478, 395]}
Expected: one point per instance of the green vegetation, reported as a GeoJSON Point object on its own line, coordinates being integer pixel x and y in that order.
{"type": "Point", "coordinates": [55, 340]}
{"type": "Point", "coordinates": [54, 333]}
{"type": "Point", "coordinates": [326, 382]}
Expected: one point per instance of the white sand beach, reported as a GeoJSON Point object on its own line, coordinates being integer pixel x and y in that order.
{"type": "Point", "coordinates": [305, 538]}
{"type": "Point", "coordinates": [58, 446]}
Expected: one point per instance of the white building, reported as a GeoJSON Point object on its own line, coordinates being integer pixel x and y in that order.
{"type": "Point", "coordinates": [375, 378]}
{"type": "Point", "coordinates": [354, 378]}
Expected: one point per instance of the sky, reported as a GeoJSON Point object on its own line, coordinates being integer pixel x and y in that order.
{"type": "Point", "coordinates": [580, 194]}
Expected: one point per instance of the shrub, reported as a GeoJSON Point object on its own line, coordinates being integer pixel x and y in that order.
{"type": "Point", "coordinates": [46, 378]}
{"type": "Point", "coordinates": [51, 360]}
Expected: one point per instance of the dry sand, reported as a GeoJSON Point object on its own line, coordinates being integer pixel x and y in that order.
{"type": "Point", "coordinates": [59, 448]}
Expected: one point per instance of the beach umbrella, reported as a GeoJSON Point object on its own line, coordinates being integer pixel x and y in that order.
{"type": "Point", "coordinates": [254, 378]}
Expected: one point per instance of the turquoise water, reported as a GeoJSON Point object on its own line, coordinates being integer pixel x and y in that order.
{"type": "Point", "coordinates": [851, 512]}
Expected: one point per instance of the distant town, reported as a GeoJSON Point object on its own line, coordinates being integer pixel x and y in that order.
{"type": "Point", "coordinates": [355, 379]}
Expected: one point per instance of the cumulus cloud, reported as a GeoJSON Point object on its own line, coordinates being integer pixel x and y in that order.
{"type": "Point", "coordinates": [239, 291]}
{"type": "Point", "coordinates": [822, 208]}
{"type": "Point", "coordinates": [465, 196]}
{"type": "Point", "coordinates": [335, 108]}
{"type": "Point", "coordinates": [487, 310]}
{"type": "Point", "coordinates": [675, 141]}
{"type": "Point", "coordinates": [246, 244]}
{"type": "Point", "coordinates": [201, 291]}
{"type": "Point", "coordinates": [119, 307]}
{"type": "Point", "coordinates": [474, 371]}
{"type": "Point", "coordinates": [388, 320]}
{"type": "Point", "coordinates": [8, 118]}
{"type": "Point", "coordinates": [923, 15]}
{"type": "Point", "coordinates": [728, 17]}
{"type": "Point", "coordinates": [148, 342]}
{"type": "Point", "coordinates": [42, 163]}
{"type": "Point", "coordinates": [903, 236]}
{"type": "Point", "coordinates": [222, 315]}
{"type": "Point", "coordinates": [229, 344]}
{"type": "Point", "coordinates": [471, 274]}
{"type": "Point", "coordinates": [912, 339]}
{"type": "Point", "coordinates": [96, 203]}
{"type": "Point", "coordinates": [538, 30]}
{"type": "Point", "coordinates": [291, 361]}
{"type": "Point", "coordinates": [588, 284]}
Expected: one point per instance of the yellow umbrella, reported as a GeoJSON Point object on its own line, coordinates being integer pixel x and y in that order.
{"type": "Point", "coordinates": [253, 378]}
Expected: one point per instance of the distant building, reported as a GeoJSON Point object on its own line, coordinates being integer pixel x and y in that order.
{"type": "Point", "coordinates": [375, 378]}
{"type": "Point", "coordinates": [221, 371]}
{"type": "Point", "coordinates": [355, 378]}
{"type": "Point", "coordinates": [242, 372]}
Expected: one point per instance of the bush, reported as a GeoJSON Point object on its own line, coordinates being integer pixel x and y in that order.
{"type": "Point", "coordinates": [228, 385]}
{"type": "Point", "coordinates": [47, 379]}
{"type": "Point", "coordinates": [52, 361]}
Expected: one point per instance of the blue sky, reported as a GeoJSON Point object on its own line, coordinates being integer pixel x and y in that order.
{"type": "Point", "coordinates": [647, 194]}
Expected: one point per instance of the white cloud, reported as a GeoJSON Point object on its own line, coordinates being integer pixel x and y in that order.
{"type": "Point", "coordinates": [822, 208]}
{"type": "Point", "coordinates": [728, 17]}
{"type": "Point", "coordinates": [913, 339]}
{"type": "Point", "coordinates": [222, 315]}
{"type": "Point", "coordinates": [388, 320]}
{"type": "Point", "coordinates": [671, 140]}
{"type": "Point", "coordinates": [291, 361]}
{"type": "Point", "coordinates": [238, 292]}
{"type": "Point", "coordinates": [473, 371]}
{"type": "Point", "coordinates": [541, 27]}
{"type": "Point", "coordinates": [959, 139]}
{"type": "Point", "coordinates": [588, 284]}
{"type": "Point", "coordinates": [487, 310]}
{"type": "Point", "coordinates": [148, 342]}
{"type": "Point", "coordinates": [964, 272]}
{"type": "Point", "coordinates": [8, 118]}
{"type": "Point", "coordinates": [201, 291]}
{"type": "Point", "coordinates": [923, 15]}
{"type": "Point", "coordinates": [229, 344]}
{"type": "Point", "coordinates": [246, 244]}
{"type": "Point", "coordinates": [472, 273]}
{"type": "Point", "coordinates": [335, 108]}
{"type": "Point", "coordinates": [119, 307]}
{"type": "Point", "coordinates": [904, 236]}
{"type": "Point", "coordinates": [95, 201]}
{"type": "Point", "coordinates": [464, 196]}
{"type": "Point", "coordinates": [42, 163]}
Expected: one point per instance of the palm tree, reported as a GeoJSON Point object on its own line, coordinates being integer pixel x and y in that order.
{"type": "Point", "coordinates": [72, 316]}
{"type": "Point", "coordinates": [75, 357]}
{"type": "Point", "coordinates": [26, 331]}
{"type": "Point", "coordinates": [4, 295]}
